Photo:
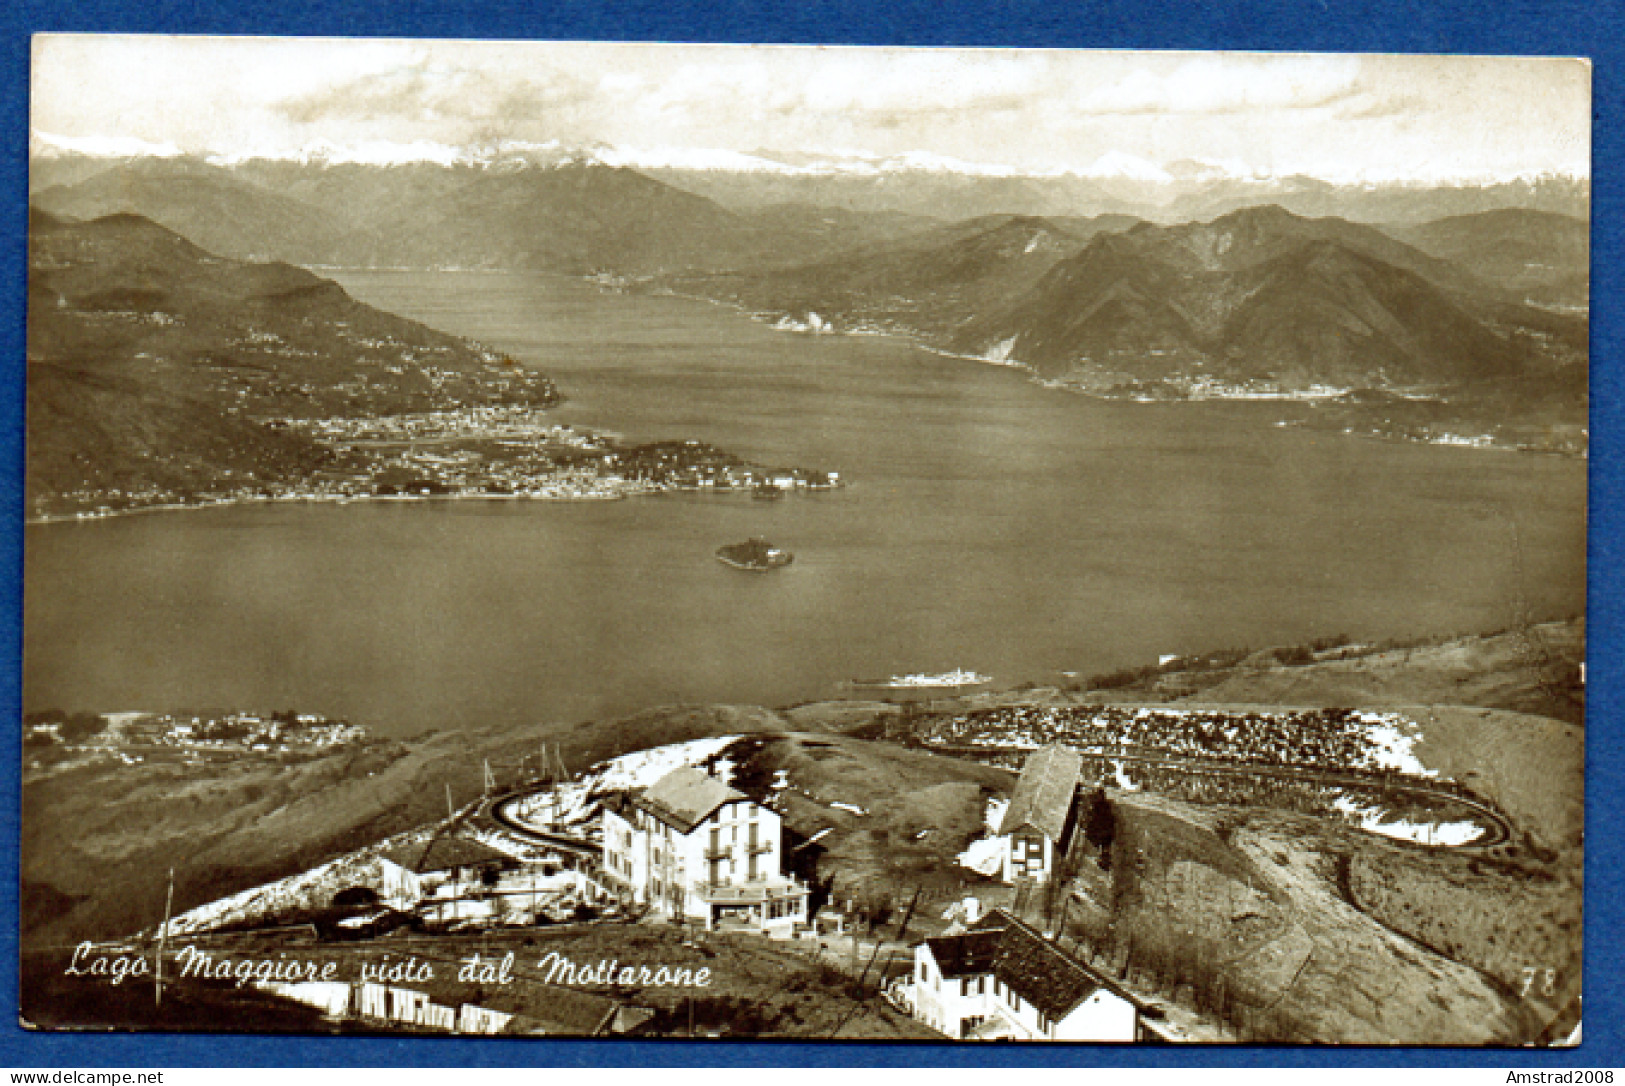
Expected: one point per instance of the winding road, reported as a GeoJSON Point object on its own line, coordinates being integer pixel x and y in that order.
{"type": "Point", "coordinates": [1498, 829]}
{"type": "Point", "coordinates": [497, 808]}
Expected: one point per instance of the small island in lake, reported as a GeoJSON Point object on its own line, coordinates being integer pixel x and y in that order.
{"type": "Point", "coordinates": [756, 555]}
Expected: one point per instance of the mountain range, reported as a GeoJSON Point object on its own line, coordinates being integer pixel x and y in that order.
{"type": "Point", "coordinates": [1255, 295]}
{"type": "Point", "coordinates": [568, 218]}
{"type": "Point", "coordinates": [1392, 339]}
{"type": "Point", "coordinates": [926, 283]}
{"type": "Point", "coordinates": [1486, 306]}
{"type": "Point", "coordinates": [600, 211]}
{"type": "Point", "coordinates": [1538, 255]}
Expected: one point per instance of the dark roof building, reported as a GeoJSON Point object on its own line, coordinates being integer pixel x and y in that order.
{"type": "Point", "coordinates": [445, 854]}
{"type": "Point", "coordinates": [966, 954]}
{"type": "Point", "coordinates": [685, 797]}
{"type": "Point", "coordinates": [1002, 978]}
{"type": "Point", "coordinates": [1040, 971]}
{"type": "Point", "coordinates": [1044, 796]}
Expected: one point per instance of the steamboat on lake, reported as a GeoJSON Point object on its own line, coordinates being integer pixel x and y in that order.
{"type": "Point", "coordinates": [955, 679]}
{"type": "Point", "coordinates": [756, 555]}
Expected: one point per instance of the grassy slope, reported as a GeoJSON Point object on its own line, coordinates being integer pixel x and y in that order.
{"type": "Point", "coordinates": [1532, 669]}
{"type": "Point", "coordinates": [1318, 930]}
{"type": "Point", "coordinates": [919, 810]}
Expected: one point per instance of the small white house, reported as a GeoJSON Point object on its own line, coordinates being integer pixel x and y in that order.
{"type": "Point", "coordinates": [1002, 980]}
{"type": "Point", "coordinates": [445, 867]}
{"type": "Point", "coordinates": [690, 846]}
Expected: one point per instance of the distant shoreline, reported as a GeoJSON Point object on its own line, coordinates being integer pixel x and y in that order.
{"type": "Point", "coordinates": [1310, 398]}
{"type": "Point", "coordinates": [187, 507]}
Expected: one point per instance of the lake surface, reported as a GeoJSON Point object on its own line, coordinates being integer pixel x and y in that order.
{"type": "Point", "coordinates": [988, 524]}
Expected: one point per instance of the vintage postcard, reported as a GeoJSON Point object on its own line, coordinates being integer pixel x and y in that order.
{"type": "Point", "coordinates": [604, 540]}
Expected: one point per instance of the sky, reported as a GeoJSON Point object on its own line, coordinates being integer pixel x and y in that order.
{"type": "Point", "coordinates": [1336, 116]}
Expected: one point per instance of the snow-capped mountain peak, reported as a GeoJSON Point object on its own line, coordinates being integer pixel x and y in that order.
{"type": "Point", "coordinates": [1120, 165]}
{"type": "Point", "coordinates": [47, 144]}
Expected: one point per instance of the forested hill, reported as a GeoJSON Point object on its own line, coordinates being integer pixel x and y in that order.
{"type": "Point", "coordinates": [157, 370]}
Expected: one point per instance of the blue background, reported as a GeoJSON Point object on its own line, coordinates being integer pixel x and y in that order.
{"type": "Point", "coordinates": [1593, 28]}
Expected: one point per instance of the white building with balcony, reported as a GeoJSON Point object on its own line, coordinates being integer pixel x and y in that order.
{"type": "Point", "coordinates": [691, 846]}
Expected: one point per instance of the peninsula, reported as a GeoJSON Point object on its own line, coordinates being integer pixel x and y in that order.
{"type": "Point", "coordinates": [163, 376]}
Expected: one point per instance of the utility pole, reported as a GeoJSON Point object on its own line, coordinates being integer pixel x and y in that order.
{"type": "Point", "coordinates": [490, 779]}
{"type": "Point", "coordinates": [451, 811]}
{"type": "Point", "coordinates": [908, 914]}
{"type": "Point", "coordinates": [163, 938]}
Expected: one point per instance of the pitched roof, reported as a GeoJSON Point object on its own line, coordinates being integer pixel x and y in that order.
{"type": "Point", "coordinates": [1027, 963]}
{"type": "Point", "coordinates": [1044, 794]}
{"type": "Point", "coordinates": [685, 797]}
{"type": "Point", "coordinates": [997, 920]}
{"type": "Point", "coordinates": [966, 954]}
{"type": "Point", "coordinates": [443, 854]}
{"type": "Point", "coordinates": [560, 1011]}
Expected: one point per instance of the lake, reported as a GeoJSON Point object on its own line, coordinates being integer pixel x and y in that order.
{"type": "Point", "coordinates": [988, 523]}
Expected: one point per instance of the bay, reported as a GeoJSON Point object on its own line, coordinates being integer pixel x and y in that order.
{"type": "Point", "coordinates": [988, 523]}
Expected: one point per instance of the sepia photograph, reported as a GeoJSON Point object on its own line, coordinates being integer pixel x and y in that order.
{"type": "Point", "coordinates": [804, 543]}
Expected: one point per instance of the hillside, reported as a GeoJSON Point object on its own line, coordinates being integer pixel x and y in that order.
{"type": "Point", "coordinates": [1185, 191]}
{"type": "Point", "coordinates": [313, 210]}
{"type": "Point", "coordinates": [926, 283]}
{"type": "Point", "coordinates": [1280, 925]}
{"type": "Point", "coordinates": [207, 204]}
{"type": "Point", "coordinates": [571, 217]}
{"type": "Point", "coordinates": [255, 819]}
{"type": "Point", "coordinates": [97, 839]}
{"type": "Point", "coordinates": [1230, 903]}
{"type": "Point", "coordinates": [1294, 929]}
{"type": "Point", "coordinates": [1529, 669]}
{"type": "Point", "coordinates": [939, 193]}
{"type": "Point", "coordinates": [1383, 337]}
{"type": "Point", "coordinates": [158, 371]}
{"type": "Point", "coordinates": [1382, 203]}
{"type": "Point", "coordinates": [1258, 296]}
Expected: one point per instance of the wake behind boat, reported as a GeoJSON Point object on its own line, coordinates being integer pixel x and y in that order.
{"type": "Point", "coordinates": [756, 555]}
{"type": "Point", "coordinates": [919, 681]}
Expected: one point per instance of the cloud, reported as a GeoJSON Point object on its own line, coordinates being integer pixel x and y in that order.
{"type": "Point", "coordinates": [424, 92]}
{"type": "Point", "coordinates": [880, 90]}
{"type": "Point", "coordinates": [1366, 106]}
{"type": "Point", "coordinates": [1231, 85]}
{"type": "Point", "coordinates": [910, 83]}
